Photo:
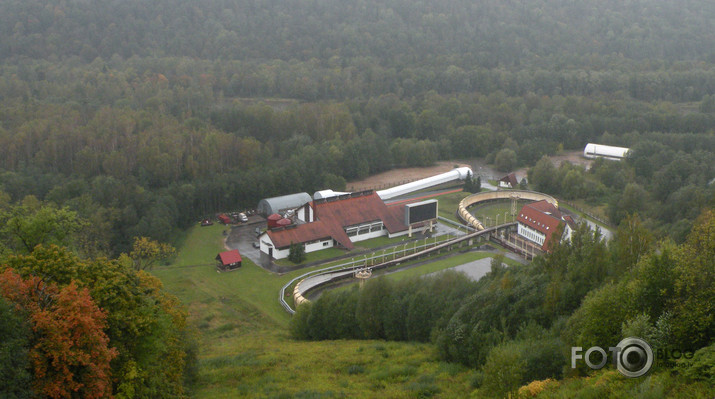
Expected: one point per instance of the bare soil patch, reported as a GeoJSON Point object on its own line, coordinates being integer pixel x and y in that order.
{"type": "Point", "coordinates": [396, 177]}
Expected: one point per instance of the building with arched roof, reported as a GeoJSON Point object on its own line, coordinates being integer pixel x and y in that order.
{"type": "Point", "coordinates": [269, 206]}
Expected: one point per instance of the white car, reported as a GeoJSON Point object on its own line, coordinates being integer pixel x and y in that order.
{"type": "Point", "coordinates": [242, 217]}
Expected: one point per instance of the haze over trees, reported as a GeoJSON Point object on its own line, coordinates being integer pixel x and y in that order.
{"type": "Point", "coordinates": [143, 116]}
{"type": "Point", "coordinates": [515, 324]}
{"type": "Point", "coordinates": [124, 122]}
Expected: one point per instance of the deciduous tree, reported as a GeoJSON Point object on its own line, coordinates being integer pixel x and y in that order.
{"type": "Point", "coordinates": [69, 354]}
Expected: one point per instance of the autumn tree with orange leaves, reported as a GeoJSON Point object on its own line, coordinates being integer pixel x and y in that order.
{"type": "Point", "coordinates": [69, 352]}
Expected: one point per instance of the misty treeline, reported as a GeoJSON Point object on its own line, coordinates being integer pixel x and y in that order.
{"type": "Point", "coordinates": [517, 324]}
{"type": "Point", "coordinates": [144, 116]}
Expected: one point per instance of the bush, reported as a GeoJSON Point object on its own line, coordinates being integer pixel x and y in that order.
{"type": "Point", "coordinates": [701, 367]}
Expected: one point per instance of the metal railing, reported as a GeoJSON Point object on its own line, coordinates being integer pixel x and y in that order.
{"type": "Point", "coordinates": [416, 252]}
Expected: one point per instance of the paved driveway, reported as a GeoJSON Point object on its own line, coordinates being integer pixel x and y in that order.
{"type": "Point", "coordinates": [242, 238]}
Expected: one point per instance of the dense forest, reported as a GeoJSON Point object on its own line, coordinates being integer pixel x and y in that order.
{"type": "Point", "coordinates": [123, 122]}
{"type": "Point", "coordinates": [515, 325]}
{"type": "Point", "coordinates": [144, 116]}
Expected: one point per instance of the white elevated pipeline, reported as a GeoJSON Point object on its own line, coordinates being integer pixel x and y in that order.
{"type": "Point", "coordinates": [452, 175]}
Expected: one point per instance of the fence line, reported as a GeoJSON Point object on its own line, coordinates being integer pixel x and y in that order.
{"type": "Point", "coordinates": [587, 213]}
{"type": "Point", "coordinates": [414, 250]}
{"type": "Point", "coordinates": [353, 265]}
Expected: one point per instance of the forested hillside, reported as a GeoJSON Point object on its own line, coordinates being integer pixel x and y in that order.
{"type": "Point", "coordinates": [143, 116]}
{"type": "Point", "coordinates": [122, 122]}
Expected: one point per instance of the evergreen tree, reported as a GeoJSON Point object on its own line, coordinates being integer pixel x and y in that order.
{"type": "Point", "coordinates": [296, 253]}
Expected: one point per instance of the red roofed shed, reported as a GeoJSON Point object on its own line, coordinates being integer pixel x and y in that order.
{"type": "Point", "coordinates": [229, 260]}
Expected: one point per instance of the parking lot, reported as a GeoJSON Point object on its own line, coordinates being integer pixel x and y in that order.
{"type": "Point", "coordinates": [242, 237]}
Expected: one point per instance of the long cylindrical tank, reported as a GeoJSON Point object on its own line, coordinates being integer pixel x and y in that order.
{"type": "Point", "coordinates": [454, 174]}
{"type": "Point", "coordinates": [604, 151]}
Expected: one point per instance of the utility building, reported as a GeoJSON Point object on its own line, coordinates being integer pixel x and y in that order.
{"type": "Point", "coordinates": [269, 206]}
{"type": "Point", "coordinates": [339, 221]}
{"type": "Point", "coordinates": [228, 260]}
{"type": "Point", "coordinates": [541, 223]}
{"type": "Point", "coordinates": [509, 181]}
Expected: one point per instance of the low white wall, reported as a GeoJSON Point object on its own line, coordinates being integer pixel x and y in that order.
{"type": "Point", "coordinates": [317, 246]}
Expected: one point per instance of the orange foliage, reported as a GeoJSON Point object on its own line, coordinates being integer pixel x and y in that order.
{"type": "Point", "coordinates": [69, 350]}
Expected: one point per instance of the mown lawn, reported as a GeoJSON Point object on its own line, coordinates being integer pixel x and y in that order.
{"type": "Point", "coordinates": [245, 349]}
{"type": "Point", "coordinates": [448, 203]}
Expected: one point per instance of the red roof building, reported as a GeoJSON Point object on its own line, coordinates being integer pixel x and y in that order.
{"type": "Point", "coordinates": [541, 222]}
{"type": "Point", "coordinates": [229, 260]}
{"type": "Point", "coordinates": [337, 221]}
{"type": "Point", "coordinates": [509, 181]}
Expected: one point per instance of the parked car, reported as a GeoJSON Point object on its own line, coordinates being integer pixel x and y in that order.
{"type": "Point", "coordinates": [256, 244]}
{"type": "Point", "coordinates": [242, 217]}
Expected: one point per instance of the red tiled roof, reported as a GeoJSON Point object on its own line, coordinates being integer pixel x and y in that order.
{"type": "Point", "coordinates": [229, 257]}
{"type": "Point", "coordinates": [332, 216]}
{"type": "Point", "coordinates": [541, 216]}
{"type": "Point", "coordinates": [569, 220]}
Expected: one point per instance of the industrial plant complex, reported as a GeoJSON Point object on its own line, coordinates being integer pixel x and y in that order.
{"type": "Point", "coordinates": [337, 219]}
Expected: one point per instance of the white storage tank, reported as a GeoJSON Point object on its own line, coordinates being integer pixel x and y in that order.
{"type": "Point", "coordinates": [593, 151]}
{"type": "Point", "coordinates": [452, 175]}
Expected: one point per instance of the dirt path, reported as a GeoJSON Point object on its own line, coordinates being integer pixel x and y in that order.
{"type": "Point", "coordinates": [396, 177]}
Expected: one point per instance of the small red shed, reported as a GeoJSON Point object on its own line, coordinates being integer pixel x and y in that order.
{"type": "Point", "coordinates": [229, 260]}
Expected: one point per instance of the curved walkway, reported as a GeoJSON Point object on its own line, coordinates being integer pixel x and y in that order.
{"type": "Point", "coordinates": [320, 277]}
{"type": "Point", "coordinates": [468, 218]}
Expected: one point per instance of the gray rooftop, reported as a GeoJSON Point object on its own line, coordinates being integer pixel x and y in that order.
{"type": "Point", "coordinates": [268, 206]}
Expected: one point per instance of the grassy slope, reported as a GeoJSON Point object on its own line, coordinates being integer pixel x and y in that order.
{"type": "Point", "coordinates": [246, 351]}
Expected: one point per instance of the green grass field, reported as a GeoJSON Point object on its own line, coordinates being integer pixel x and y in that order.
{"type": "Point", "coordinates": [246, 351]}
{"type": "Point", "coordinates": [448, 204]}
{"type": "Point", "coordinates": [488, 213]}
